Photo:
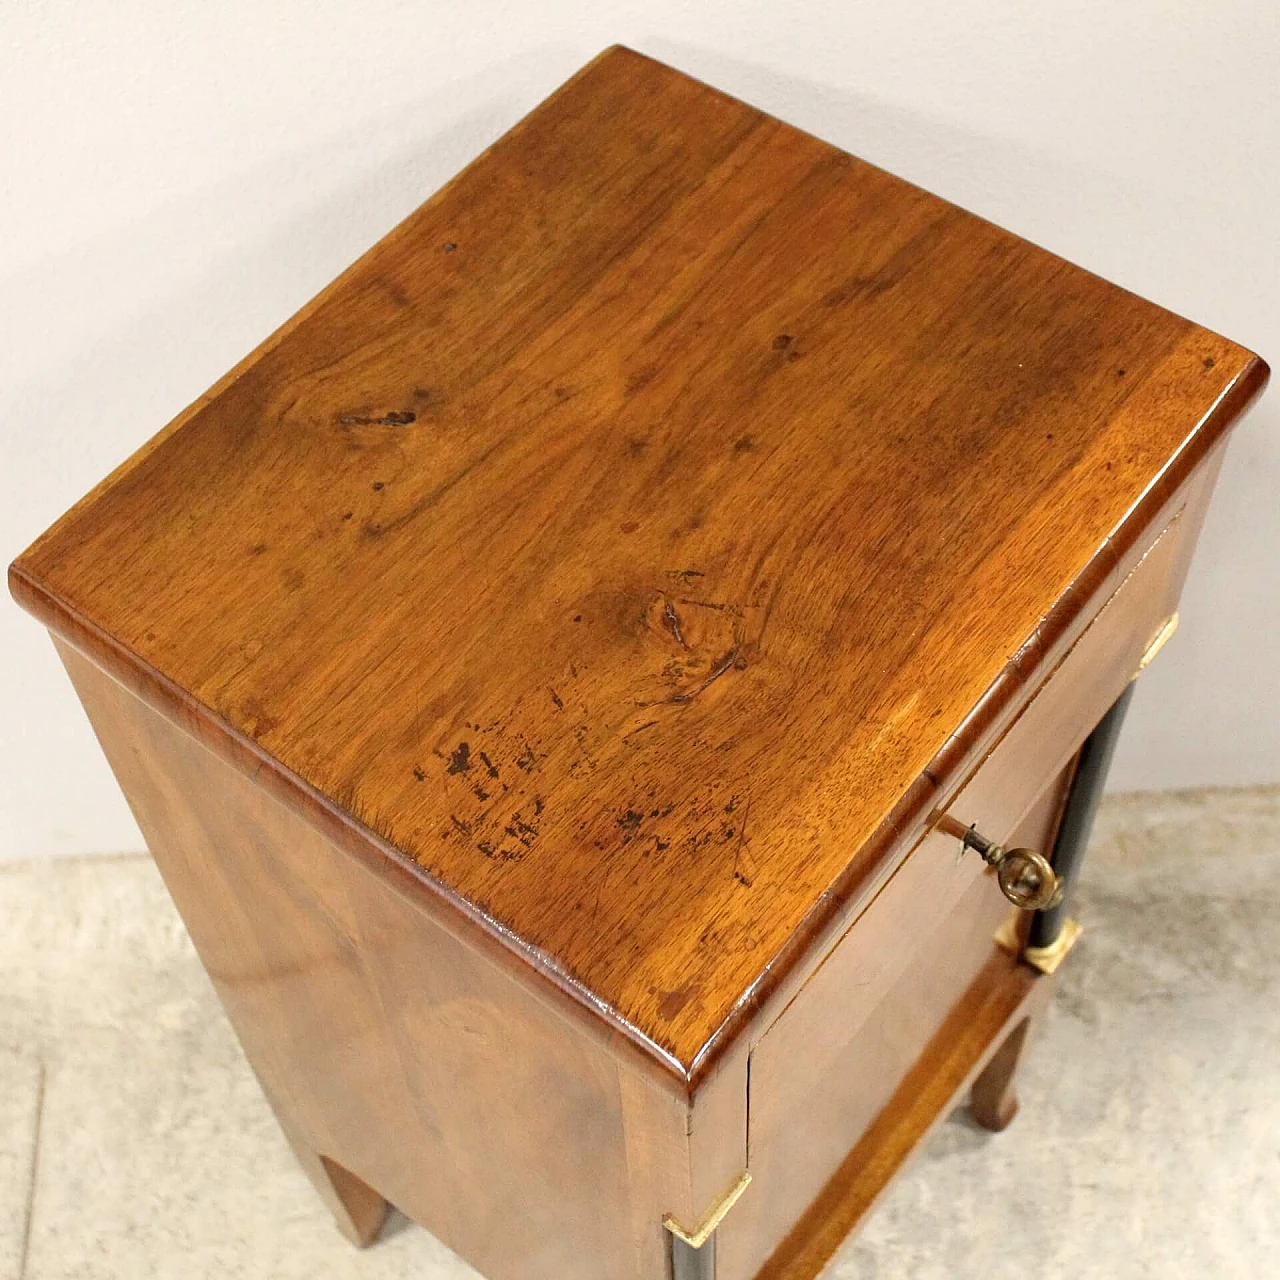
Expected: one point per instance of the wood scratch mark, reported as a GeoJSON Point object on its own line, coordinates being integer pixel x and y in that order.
{"type": "Point", "coordinates": [397, 418]}
{"type": "Point", "coordinates": [716, 672]}
{"type": "Point", "coordinates": [595, 906]}
{"type": "Point", "coordinates": [672, 619]}
{"type": "Point", "coordinates": [648, 724]}
{"type": "Point", "coordinates": [736, 610]}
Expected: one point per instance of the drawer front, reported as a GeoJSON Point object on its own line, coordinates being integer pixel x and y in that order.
{"type": "Point", "coordinates": [825, 1068]}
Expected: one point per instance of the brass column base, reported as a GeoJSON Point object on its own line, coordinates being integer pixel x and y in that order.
{"type": "Point", "coordinates": [1046, 959]}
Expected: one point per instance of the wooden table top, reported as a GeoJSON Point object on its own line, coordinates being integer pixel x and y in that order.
{"type": "Point", "coordinates": [624, 536]}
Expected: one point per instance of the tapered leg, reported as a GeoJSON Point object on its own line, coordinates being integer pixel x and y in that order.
{"type": "Point", "coordinates": [994, 1101]}
{"type": "Point", "coordinates": [357, 1208]}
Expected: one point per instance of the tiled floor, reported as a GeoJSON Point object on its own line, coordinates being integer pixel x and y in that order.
{"type": "Point", "coordinates": [134, 1142]}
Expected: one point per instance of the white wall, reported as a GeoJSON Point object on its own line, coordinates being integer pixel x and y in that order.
{"type": "Point", "coordinates": [176, 178]}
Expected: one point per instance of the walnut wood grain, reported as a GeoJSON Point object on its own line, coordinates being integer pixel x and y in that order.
{"type": "Point", "coordinates": [627, 552]}
{"type": "Point", "coordinates": [831, 1061]}
{"type": "Point", "coordinates": [993, 1099]}
{"type": "Point", "coordinates": [402, 1066]}
{"type": "Point", "coordinates": [828, 1067]}
{"type": "Point", "coordinates": [1003, 996]}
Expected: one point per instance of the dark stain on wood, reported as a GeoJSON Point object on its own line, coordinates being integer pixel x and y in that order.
{"type": "Point", "coordinates": [396, 418]}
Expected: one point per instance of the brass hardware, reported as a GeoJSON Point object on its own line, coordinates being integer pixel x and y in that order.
{"type": "Point", "coordinates": [1047, 959]}
{"type": "Point", "coordinates": [696, 1237]}
{"type": "Point", "coordinates": [1010, 935]}
{"type": "Point", "coordinates": [1026, 877]}
{"type": "Point", "coordinates": [1158, 642]}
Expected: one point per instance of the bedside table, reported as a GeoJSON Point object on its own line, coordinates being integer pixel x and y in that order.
{"type": "Point", "coordinates": [618, 685]}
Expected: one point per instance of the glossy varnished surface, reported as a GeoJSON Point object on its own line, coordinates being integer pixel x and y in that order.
{"type": "Point", "coordinates": [970, 1054]}
{"type": "Point", "coordinates": [634, 531]}
{"type": "Point", "coordinates": [403, 1066]}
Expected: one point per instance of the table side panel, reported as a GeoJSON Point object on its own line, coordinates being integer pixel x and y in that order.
{"type": "Point", "coordinates": [387, 1045]}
